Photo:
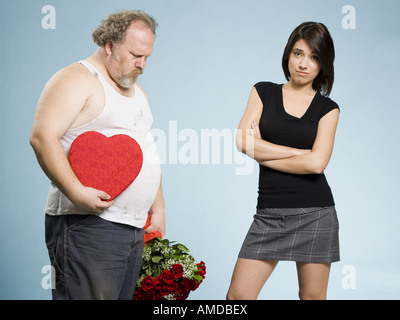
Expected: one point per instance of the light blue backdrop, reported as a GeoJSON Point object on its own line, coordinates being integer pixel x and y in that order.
{"type": "Point", "coordinates": [207, 56]}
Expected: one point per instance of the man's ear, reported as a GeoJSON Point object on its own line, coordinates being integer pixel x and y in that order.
{"type": "Point", "coordinates": [109, 47]}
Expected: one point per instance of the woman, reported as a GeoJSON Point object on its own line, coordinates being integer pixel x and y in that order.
{"type": "Point", "coordinates": [289, 130]}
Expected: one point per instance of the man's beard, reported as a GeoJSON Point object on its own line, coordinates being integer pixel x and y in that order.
{"type": "Point", "coordinates": [128, 81]}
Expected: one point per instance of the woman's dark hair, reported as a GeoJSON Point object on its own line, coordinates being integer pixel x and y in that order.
{"type": "Point", "coordinates": [319, 39]}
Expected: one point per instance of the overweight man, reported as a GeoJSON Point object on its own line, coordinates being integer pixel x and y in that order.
{"type": "Point", "coordinates": [95, 245]}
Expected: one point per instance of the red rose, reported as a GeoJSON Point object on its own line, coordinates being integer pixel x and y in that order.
{"type": "Point", "coordinates": [167, 280]}
{"type": "Point", "coordinates": [166, 277]}
{"type": "Point", "coordinates": [159, 287]}
{"type": "Point", "coordinates": [177, 271]}
{"type": "Point", "coordinates": [195, 284]}
{"type": "Point", "coordinates": [148, 283]}
{"type": "Point", "coordinates": [179, 289]}
{"type": "Point", "coordinates": [188, 284]}
{"type": "Point", "coordinates": [201, 268]}
{"type": "Point", "coordinates": [157, 283]}
{"type": "Point", "coordinates": [158, 296]}
{"type": "Point", "coordinates": [185, 286]}
{"type": "Point", "coordinates": [182, 295]}
{"type": "Point", "coordinates": [140, 294]}
{"type": "Point", "coordinates": [148, 295]}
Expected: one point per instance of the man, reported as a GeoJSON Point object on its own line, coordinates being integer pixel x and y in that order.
{"type": "Point", "coordinates": [95, 245]}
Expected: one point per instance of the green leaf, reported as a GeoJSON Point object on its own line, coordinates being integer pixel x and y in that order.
{"type": "Point", "coordinates": [198, 277]}
{"type": "Point", "coordinates": [176, 256]}
{"type": "Point", "coordinates": [182, 248]}
{"type": "Point", "coordinates": [156, 259]}
{"type": "Point", "coordinates": [145, 265]}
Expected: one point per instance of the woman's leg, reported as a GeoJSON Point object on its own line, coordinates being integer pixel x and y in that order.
{"type": "Point", "coordinates": [313, 280]}
{"type": "Point", "coordinates": [248, 278]}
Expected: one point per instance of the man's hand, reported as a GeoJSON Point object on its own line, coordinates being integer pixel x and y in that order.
{"type": "Point", "coordinates": [157, 223]}
{"type": "Point", "coordinates": [157, 217]}
{"type": "Point", "coordinates": [91, 200]}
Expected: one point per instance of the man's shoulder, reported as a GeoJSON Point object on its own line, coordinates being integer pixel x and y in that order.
{"type": "Point", "coordinates": [73, 77]}
{"type": "Point", "coordinates": [75, 71]}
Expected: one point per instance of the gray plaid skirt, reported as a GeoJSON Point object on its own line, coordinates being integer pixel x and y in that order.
{"type": "Point", "coordinates": [303, 235]}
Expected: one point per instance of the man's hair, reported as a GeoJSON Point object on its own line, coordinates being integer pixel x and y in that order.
{"type": "Point", "coordinates": [115, 25]}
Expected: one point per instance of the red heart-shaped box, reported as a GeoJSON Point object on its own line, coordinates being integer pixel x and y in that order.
{"type": "Point", "coordinates": [106, 164]}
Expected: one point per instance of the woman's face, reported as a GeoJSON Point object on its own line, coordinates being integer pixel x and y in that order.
{"type": "Point", "coordinates": [304, 63]}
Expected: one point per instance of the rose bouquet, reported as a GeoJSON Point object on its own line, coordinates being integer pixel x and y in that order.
{"type": "Point", "coordinates": [168, 271]}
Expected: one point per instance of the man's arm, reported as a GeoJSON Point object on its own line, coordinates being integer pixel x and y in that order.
{"type": "Point", "coordinates": [157, 217]}
{"type": "Point", "coordinates": [248, 139]}
{"type": "Point", "coordinates": [157, 210]}
{"type": "Point", "coordinates": [62, 100]}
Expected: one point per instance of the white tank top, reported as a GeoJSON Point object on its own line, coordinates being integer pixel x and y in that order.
{"type": "Point", "coordinates": [121, 115]}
